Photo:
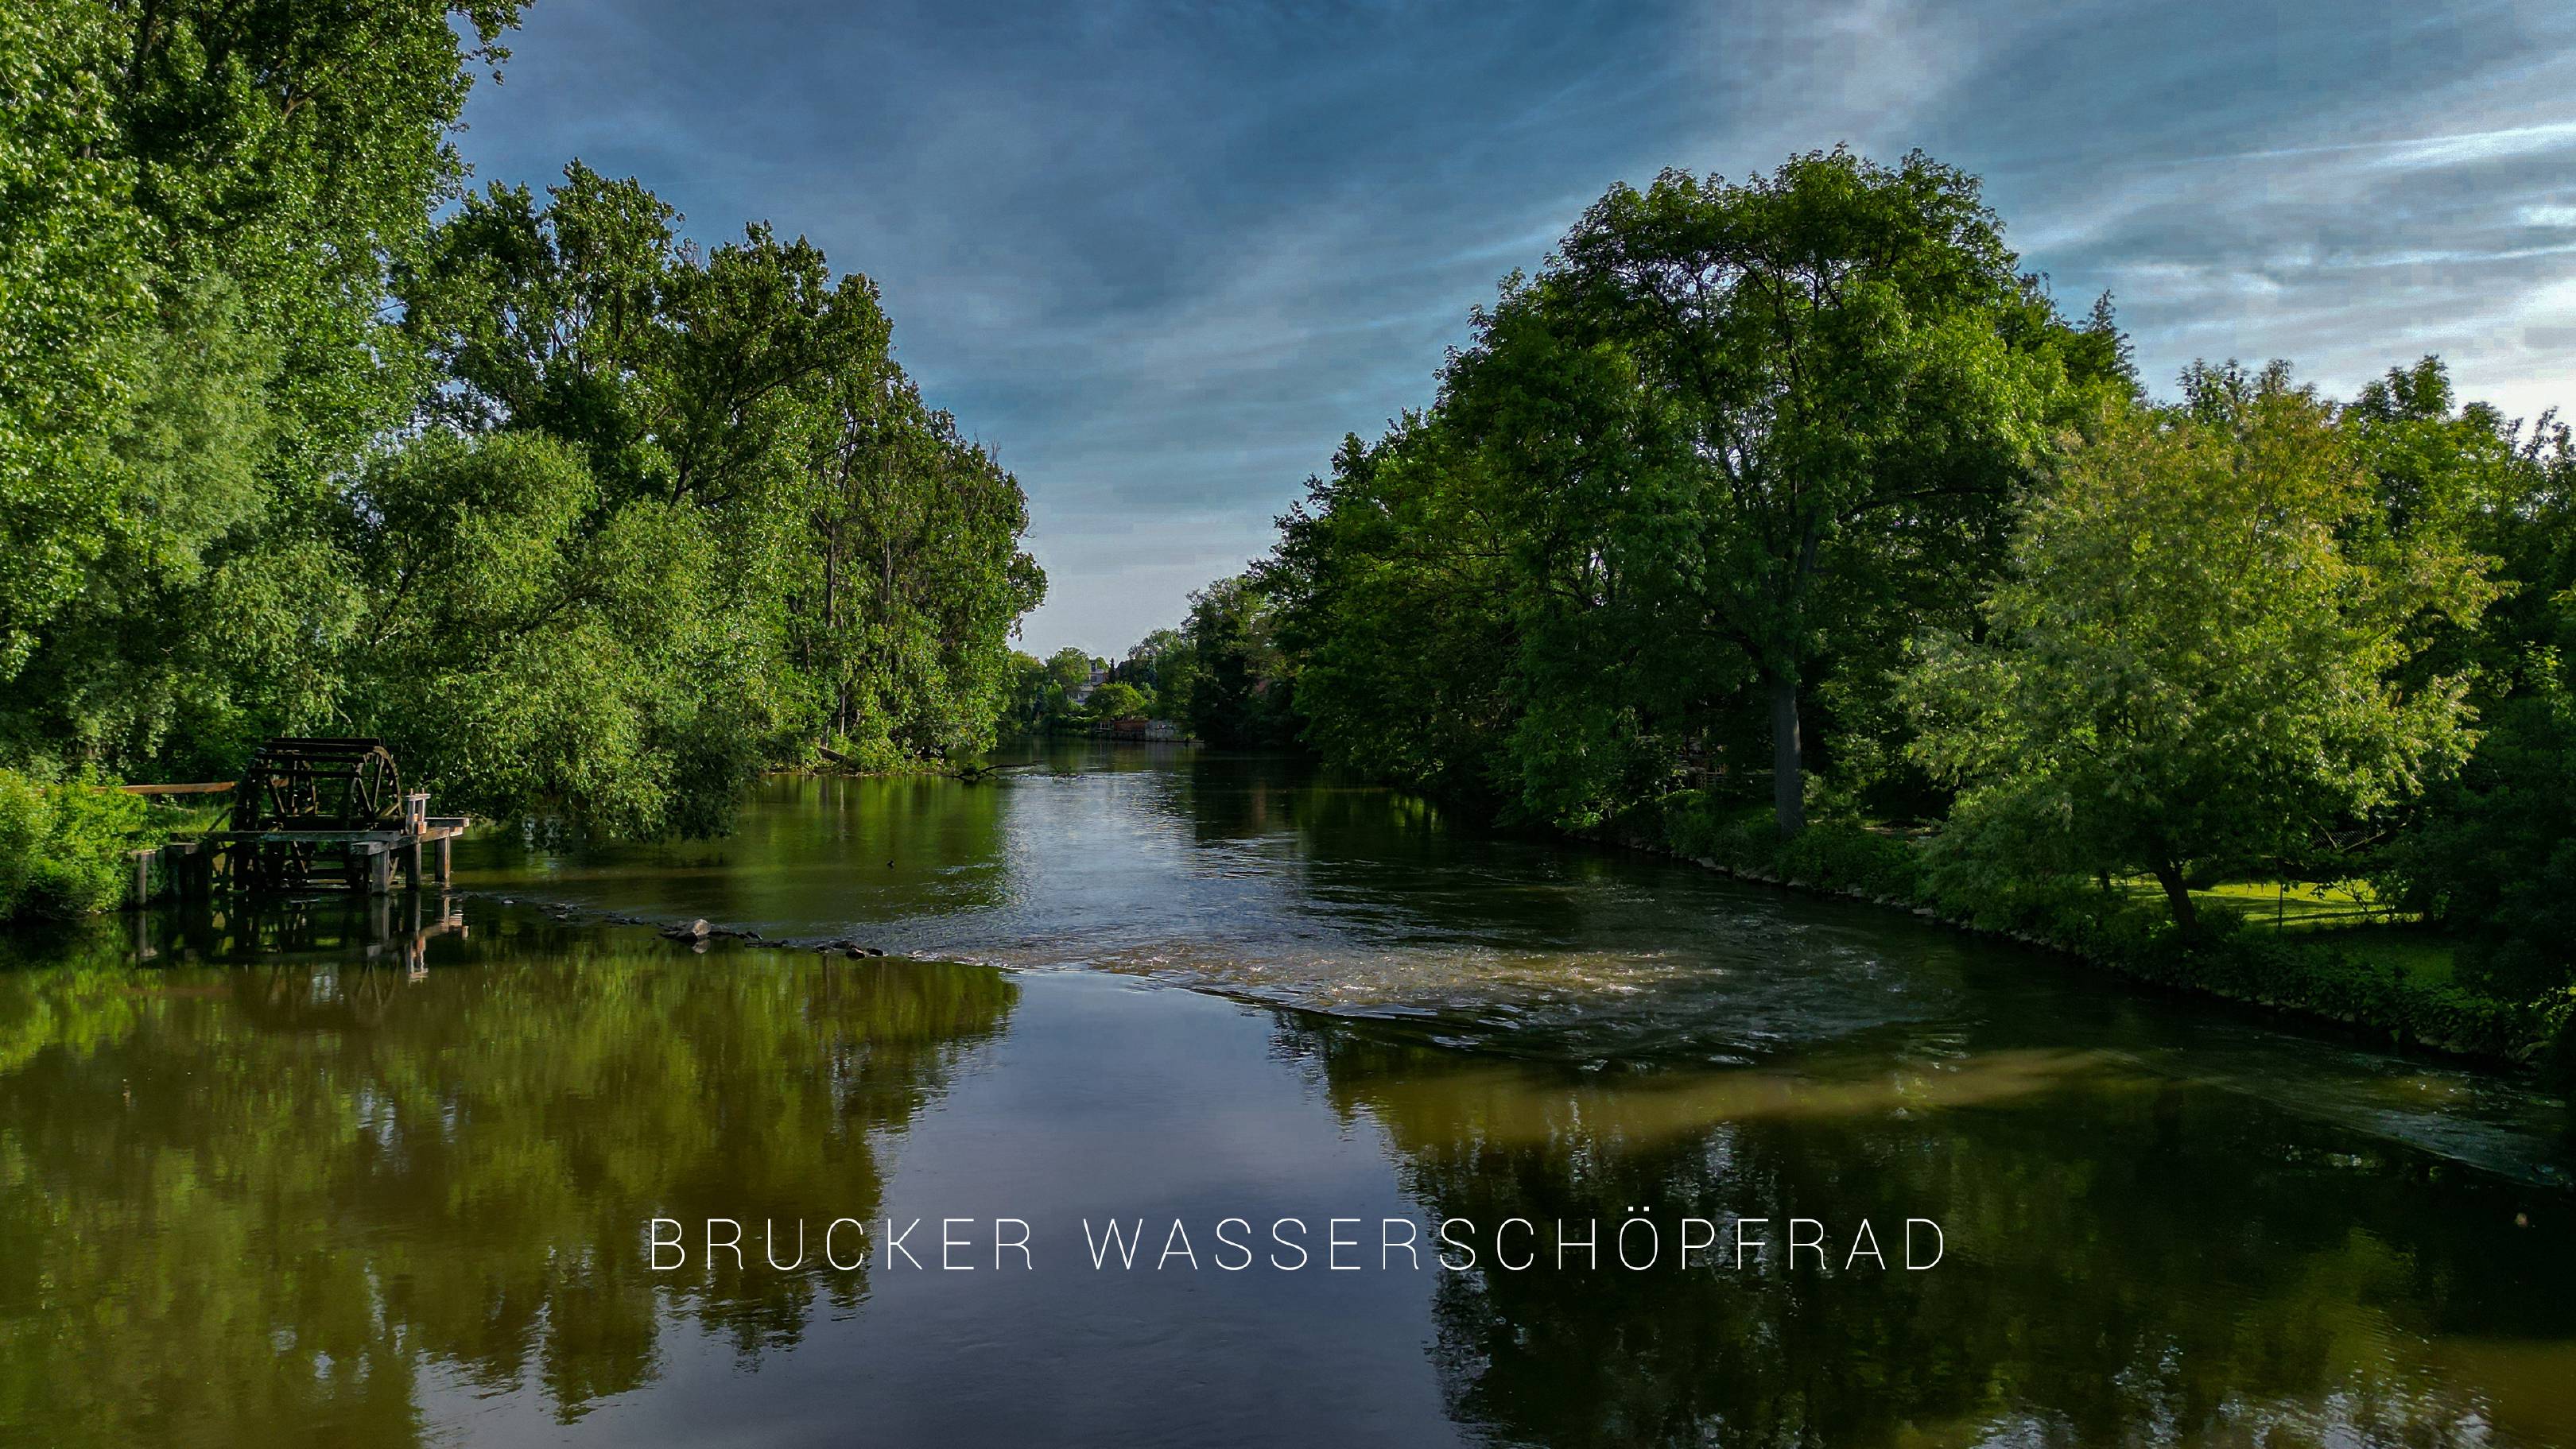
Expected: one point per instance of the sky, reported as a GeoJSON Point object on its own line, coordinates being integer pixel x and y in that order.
{"type": "Point", "coordinates": [1163, 257]}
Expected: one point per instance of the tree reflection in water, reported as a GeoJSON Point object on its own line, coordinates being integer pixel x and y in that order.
{"type": "Point", "coordinates": [309, 1171]}
{"type": "Point", "coordinates": [255, 1201]}
{"type": "Point", "coordinates": [2131, 1259]}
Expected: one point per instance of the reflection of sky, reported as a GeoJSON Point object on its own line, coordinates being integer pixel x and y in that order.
{"type": "Point", "coordinates": [1273, 883]}
{"type": "Point", "coordinates": [1164, 256]}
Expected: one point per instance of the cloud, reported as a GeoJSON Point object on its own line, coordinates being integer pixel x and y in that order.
{"type": "Point", "coordinates": [1164, 256]}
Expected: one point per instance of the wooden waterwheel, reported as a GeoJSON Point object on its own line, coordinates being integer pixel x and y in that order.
{"type": "Point", "coordinates": [294, 785]}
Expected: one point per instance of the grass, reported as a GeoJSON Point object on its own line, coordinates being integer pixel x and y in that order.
{"type": "Point", "coordinates": [2420, 954]}
{"type": "Point", "coordinates": [2280, 905]}
{"type": "Point", "coordinates": [2333, 951]}
{"type": "Point", "coordinates": [2346, 917]}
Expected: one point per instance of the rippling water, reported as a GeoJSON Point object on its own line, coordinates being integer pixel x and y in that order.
{"type": "Point", "coordinates": [1271, 881]}
{"type": "Point", "coordinates": [383, 1175]}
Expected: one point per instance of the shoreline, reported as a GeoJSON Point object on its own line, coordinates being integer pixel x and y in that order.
{"type": "Point", "coordinates": [2383, 1008]}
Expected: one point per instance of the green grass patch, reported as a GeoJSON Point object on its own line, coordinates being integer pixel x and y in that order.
{"type": "Point", "coordinates": [2422, 956]}
{"type": "Point", "coordinates": [2332, 951]}
{"type": "Point", "coordinates": [2277, 905]}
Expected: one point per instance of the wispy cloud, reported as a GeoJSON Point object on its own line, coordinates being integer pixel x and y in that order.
{"type": "Point", "coordinates": [1163, 256]}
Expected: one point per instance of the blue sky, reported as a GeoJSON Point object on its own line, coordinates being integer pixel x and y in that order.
{"type": "Point", "coordinates": [1162, 257]}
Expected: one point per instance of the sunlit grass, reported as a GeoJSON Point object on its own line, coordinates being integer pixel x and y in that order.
{"type": "Point", "coordinates": [2285, 905]}
{"type": "Point", "coordinates": [2345, 916]}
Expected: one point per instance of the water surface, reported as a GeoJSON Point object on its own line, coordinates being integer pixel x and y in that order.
{"type": "Point", "coordinates": [319, 1175]}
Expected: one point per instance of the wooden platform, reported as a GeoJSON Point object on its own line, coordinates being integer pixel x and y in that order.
{"type": "Point", "coordinates": [307, 814]}
{"type": "Point", "coordinates": [424, 854]}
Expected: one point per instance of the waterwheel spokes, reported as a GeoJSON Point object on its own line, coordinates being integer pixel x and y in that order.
{"type": "Point", "coordinates": [296, 783]}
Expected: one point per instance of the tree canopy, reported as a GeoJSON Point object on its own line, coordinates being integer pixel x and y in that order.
{"type": "Point", "coordinates": [299, 436]}
{"type": "Point", "coordinates": [2191, 661]}
{"type": "Point", "coordinates": [1690, 485]}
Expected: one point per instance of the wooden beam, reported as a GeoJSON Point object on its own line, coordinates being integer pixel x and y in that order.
{"type": "Point", "coordinates": [355, 839]}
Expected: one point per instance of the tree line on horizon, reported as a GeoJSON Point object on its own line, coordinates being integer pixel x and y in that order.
{"type": "Point", "coordinates": [1219, 675]}
{"type": "Point", "coordinates": [1798, 490]}
{"type": "Point", "coordinates": [298, 435]}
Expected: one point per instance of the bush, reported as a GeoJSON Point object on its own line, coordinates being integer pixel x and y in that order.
{"type": "Point", "coordinates": [63, 846]}
{"type": "Point", "coordinates": [2557, 1053]}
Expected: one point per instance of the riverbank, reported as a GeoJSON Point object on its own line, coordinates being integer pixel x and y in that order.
{"type": "Point", "coordinates": [2113, 932]}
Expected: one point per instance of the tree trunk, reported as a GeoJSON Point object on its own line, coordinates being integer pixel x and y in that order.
{"type": "Point", "coordinates": [2178, 894]}
{"type": "Point", "coordinates": [1788, 777]}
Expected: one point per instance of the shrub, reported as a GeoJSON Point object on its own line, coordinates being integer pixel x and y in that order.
{"type": "Point", "coordinates": [62, 845]}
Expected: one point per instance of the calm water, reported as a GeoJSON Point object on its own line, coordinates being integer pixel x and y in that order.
{"type": "Point", "coordinates": [324, 1176]}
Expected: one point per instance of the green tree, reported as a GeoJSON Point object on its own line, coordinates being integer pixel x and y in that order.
{"type": "Point", "coordinates": [529, 652]}
{"type": "Point", "coordinates": [1118, 699]}
{"type": "Point", "coordinates": [2492, 852]}
{"type": "Point", "coordinates": [1242, 692]}
{"type": "Point", "coordinates": [75, 309]}
{"type": "Point", "coordinates": [1692, 486]}
{"type": "Point", "coordinates": [1024, 701]}
{"type": "Point", "coordinates": [1398, 590]}
{"type": "Point", "coordinates": [204, 204]}
{"type": "Point", "coordinates": [2192, 662]}
{"type": "Point", "coordinates": [1069, 667]}
{"type": "Point", "coordinates": [1838, 372]}
{"type": "Point", "coordinates": [63, 846]}
{"type": "Point", "coordinates": [855, 567]}
{"type": "Point", "coordinates": [1166, 663]}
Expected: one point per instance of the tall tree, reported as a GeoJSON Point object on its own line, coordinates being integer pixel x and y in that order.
{"type": "Point", "coordinates": [203, 206]}
{"type": "Point", "coordinates": [1842, 374]}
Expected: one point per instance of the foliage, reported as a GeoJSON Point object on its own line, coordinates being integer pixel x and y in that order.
{"type": "Point", "coordinates": [2492, 853]}
{"type": "Point", "coordinates": [826, 554]}
{"type": "Point", "coordinates": [1951, 876]}
{"type": "Point", "coordinates": [201, 206]}
{"type": "Point", "coordinates": [1024, 702]}
{"type": "Point", "coordinates": [1396, 606]}
{"type": "Point", "coordinates": [1118, 699]}
{"type": "Point", "coordinates": [2188, 667]}
{"type": "Point", "coordinates": [593, 523]}
{"type": "Point", "coordinates": [1241, 692]}
{"type": "Point", "coordinates": [1703, 467]}
{"type": "Point", "coordinates": [62, 845]}
{"type": "Point", "coordinates": [529, 648]}
{"type": "Point", "coordinates": [571, 1089]}
{"type": "Point", "coordinates": [1166, 662]}
{"type": "Point", "coordinates": [75, 309]}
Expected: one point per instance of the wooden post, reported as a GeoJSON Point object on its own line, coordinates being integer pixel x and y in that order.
{"type": "Point", "coordinates": [187, 862]}
{"type": "Point", "coordinates": [411, 862]}
{"type": "Point", "coordinates": [446, 863]}
{"type": "Point", "coordinates": [139, 889]}
{"type": "Point", "coordinates": [380, 871]}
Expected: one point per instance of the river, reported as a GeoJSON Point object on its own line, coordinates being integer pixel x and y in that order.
{"type": "Point", "coordinates": [346, 1174]}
